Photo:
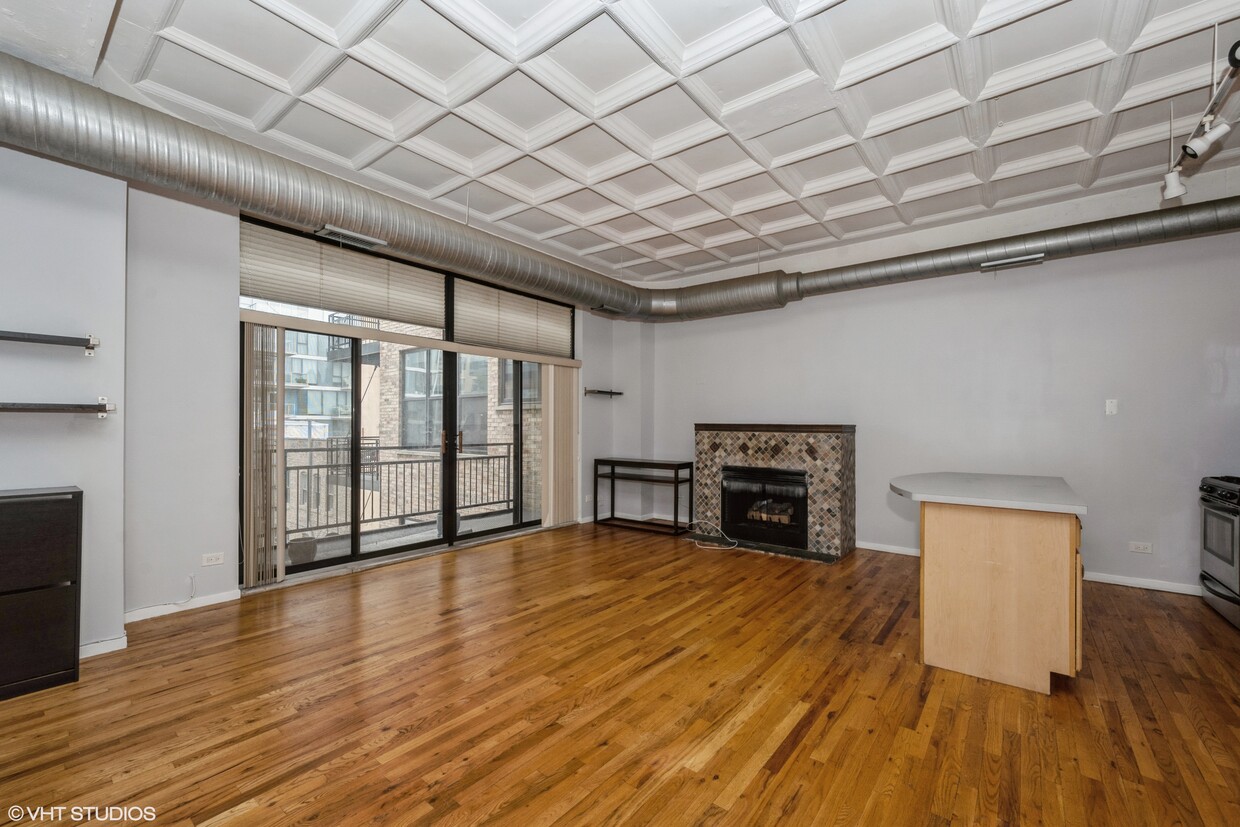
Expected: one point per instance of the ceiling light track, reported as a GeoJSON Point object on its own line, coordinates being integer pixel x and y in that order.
{"type": "Point", "coordinates": [1210, 130]}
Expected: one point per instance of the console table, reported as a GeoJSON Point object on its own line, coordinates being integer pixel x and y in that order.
{"type": "Point", "coordinates": [651, 472]}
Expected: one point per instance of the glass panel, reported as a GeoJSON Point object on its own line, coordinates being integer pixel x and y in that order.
{"type": "Point", "coordinates": [484, 466]}
{"type": "Point", "coordinates": [531, 441]}
{"type": "Point", "coordinates": [318, 428]}
{"type": "Point", "coordinates": [402, 416]}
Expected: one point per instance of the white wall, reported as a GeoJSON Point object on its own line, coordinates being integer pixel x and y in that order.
{"type": "Point", "coordinates": [1002, 373]}
{"type": "Point", "coordinates": [62, 271]}
{"type": "Point", "coordinates": [181, 444]}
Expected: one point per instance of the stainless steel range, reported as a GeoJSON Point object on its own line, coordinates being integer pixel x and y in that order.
{"type": "Point", "coordinates": [1220, 545]}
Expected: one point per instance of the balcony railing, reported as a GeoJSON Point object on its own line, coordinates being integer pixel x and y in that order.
{"type": "Point", "coordinates": [400, 485]}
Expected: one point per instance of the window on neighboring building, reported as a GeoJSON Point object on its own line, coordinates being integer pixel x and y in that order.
{"type": "Point", "coordinates": [421, 407]}
{"type": "Point", "coordinates": [531, 382]}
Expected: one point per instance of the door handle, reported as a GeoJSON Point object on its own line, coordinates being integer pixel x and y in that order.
{"type": "Point", "coordinates": [460, 441]}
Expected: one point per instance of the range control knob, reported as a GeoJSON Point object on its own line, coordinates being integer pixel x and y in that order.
{"type": "Point", "coordinates": [1205, 489]}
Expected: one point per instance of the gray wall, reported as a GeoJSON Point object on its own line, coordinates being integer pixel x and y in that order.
{"type": "Point", "coordinates": [181, 435]}
{"type": "Point", "coordinates": [62, 270]}
{"type": "Point", "coordinates": [1003, 373]}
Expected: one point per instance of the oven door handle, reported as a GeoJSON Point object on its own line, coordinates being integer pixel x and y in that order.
{"type": "Point", "coordinates": [1206, 580]}
{"type": "Point", "coordinates": [1230, 509]}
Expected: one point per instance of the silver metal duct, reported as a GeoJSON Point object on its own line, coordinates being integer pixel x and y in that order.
{"type": "Point", "coordinates": [55, 116]}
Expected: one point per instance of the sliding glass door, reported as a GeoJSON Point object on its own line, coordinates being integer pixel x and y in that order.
{"type": "Point", "coordinates": [371, 465]}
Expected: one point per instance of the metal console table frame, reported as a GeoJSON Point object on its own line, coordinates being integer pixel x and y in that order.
{"type": "Point", "coordinates": [651, 471]}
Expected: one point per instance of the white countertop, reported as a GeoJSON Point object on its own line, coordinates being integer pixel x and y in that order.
{"type": "Point", "coordinates": [991, 491]}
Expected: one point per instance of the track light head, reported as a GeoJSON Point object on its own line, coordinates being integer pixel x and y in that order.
{"type": "Point", "coordinates": [1201, 144]}
{"type": "Point", "coordinates": [1173, 187]}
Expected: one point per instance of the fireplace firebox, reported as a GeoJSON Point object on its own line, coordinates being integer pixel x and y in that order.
{"type": "Point", "coordinates": [767, 506]}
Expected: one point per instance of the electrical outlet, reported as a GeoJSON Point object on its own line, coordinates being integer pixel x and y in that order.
{"type": "Point", "coordinates": [216, 559]}
{"type": "Point", "coordinates": [1140, 548]}
{"type": "Point", "coordinates": [1112, 407]}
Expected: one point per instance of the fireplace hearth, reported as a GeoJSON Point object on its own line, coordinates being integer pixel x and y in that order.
{"type": "Point", "coordinates": [767, 506]}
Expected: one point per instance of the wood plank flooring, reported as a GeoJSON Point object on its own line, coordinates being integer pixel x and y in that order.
{"type": "Point", "coordinates": [595, 676]}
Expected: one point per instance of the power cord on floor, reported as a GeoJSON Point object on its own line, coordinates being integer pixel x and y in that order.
{"type": "Point", "coordinates": [715, 547]}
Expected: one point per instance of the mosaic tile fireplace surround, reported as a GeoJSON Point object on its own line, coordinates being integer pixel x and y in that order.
{"type": "Point", "coordinates": [826, 453]}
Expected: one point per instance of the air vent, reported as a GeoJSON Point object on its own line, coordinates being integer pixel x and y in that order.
{"type": "Point", "coordinates": [334, 233]}
{"type": "Point", "coordinates": [608, 310]}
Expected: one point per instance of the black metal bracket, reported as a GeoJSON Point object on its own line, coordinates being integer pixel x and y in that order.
{"type": "Point", "coordinates": [596, 392]}
{"type": "Point", "coordinates": [87, 342]}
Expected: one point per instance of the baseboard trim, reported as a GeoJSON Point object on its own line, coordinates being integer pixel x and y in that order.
{"type": "Point", "coordinates": [102, 647]}
{"type": "Point", "coordinates": [905, 550]}
{"type": "Point", "coordinates": [1095, 576]}
{"type": "Point", "coordinates": [1143, 583]}
{"type": "Point", "coordinates": [172, 608]}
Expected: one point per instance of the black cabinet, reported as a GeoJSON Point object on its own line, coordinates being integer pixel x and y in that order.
{"type": "Point", "coordinates": [40, 569]}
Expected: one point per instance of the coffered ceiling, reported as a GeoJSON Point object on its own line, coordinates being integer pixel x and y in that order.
{"type": "Point", "coordinates": [657, 139]}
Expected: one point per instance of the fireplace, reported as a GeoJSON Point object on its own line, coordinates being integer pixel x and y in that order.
{"type": "Point", "coordinates": [821, 459]}
{"type": "Point", "coordinates": [768, 506]}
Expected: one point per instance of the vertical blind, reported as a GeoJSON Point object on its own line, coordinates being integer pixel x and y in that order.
{"type": "Point", "coordinates": [489, 316]}
{"type": "Point", "coordinates": [283, 267]}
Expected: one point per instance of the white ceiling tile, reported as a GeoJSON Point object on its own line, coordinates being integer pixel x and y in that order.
{"type": "Point", "coordinates": [649, 271]}
{"type": "Point", "coordinates": [188, 78]}
{"type": "Point", "coordinates": [628, 229]}
{"type": "Point", "coordinates": [858, 44]}
{"type": "Point", "coordinates": [663, 246]}
{"type": "Point", "coordinates": [923, 143]}
{"type": "Point", "coordinates": [711, 164]}
{"type": "Point", "coordinates": [690, 39]}
{"type": "Point", "coordinates": [419, 47]}
{"type": "Point", "coordinates": [910, 94]}
{"type": "Point", "coordinates": [952, 205]}
{"type": "Point", "coordinates": [851, 201]}
{"type": "Point", "coordinates": [1173, 18]}
{"type": "Point", "coordinates": [801, 139]}
{"type": "Point", "coordinates": [590, 156]}
{"type": "Point", "coordinates": [1041, 151]}
{"type": "Point", "coordinates": [935, 179]}
{"type": "Point", "coordinates": [1046, 106]}
{"type": "Point", "coordinates": [536, 223]}
{"type": "Point", "coordinates": [518, 29]}
{"type": "Point", "coordinates": [643, 187]}
{"type": "Point", "coordinates": [810, 234]}
{"type": "Point", "coordinates": [1145, 162]}
{"type": "Point", "coordinates": [524, 113]}
{"type": "Point", "coordinates": [1038, 185]}
{"type": "Point", "coordinates": [315, 131]}
{"type": "Point", "coordinates": [720, 233]}
{"type": "Point", "coordinates": [683, 212]}
{"type": "Point", "coordinates": [751, 249]}
{"type": "Point", "coordinates": [1169, 69]}
{"type": "Point", "coordinates": [694, 260]}
{"type": "Point", "coordinates": [599, 68]}
{"type": "Point", "coordinates": [480, 200]}
{"type": "Point", "coordinates": [584, 207]}
{"type": "Point", "coordinates": [776, 219]}
{"type": "Point", "coordinates": [747, 195]}
{"type": "Point", "coordinates": [581, 241]}
{"type": "Point", "coordinates": [663, 123]}
{"type": "Point", "coordinates": [364, 97]}
{"type": "Point", "coordinates": [996, 13]}
{"type": "Point", "coordinates": [402, 167]}
{"type": "Point", "coordinates": [762, 70]}
{"type": "Point", "coordinates": [331, 20]}
{"type": "Point", "coordinates": [250, 40]}
{"type": "Point", "coordinates": [620, 259]}
{"type": "Point", "coordinates": [462, 146]}
{"type": "Point", "coordinates": [868, 223]}
{"type": "Point", "coordinates": [530, 180]}
{"type": "Point", "coordinates": [823, 173]}
{"type": "Point", "coordinates": [1064, 38]}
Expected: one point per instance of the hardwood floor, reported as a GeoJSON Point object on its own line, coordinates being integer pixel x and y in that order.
{"type": "Point", "coordinates": [599, 676]}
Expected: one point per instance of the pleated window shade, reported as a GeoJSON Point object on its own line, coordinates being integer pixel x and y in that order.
{"type": "Point", "coordinates": [282, 267]}
{"type": "Point", "coordinates": [488, 316]}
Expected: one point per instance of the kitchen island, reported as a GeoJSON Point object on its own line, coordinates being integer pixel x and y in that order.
{"type": "Point", "coordinates": [1000, 575]}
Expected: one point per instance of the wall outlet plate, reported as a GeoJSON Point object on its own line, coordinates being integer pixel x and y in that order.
{"type": "Point", "coordinates": [213, 559]}
{"type": "Point", "coordinates": [1140, 548]}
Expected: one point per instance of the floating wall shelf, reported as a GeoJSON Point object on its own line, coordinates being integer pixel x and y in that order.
{"type": "Point", "coordinates": [596, 392]}
{"type": "Point", "coordinates": [102, 408]}
{"type": "Point", "coordinates": [87, 342]}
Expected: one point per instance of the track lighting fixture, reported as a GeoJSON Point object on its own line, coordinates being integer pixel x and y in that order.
{"type": "Point", "coordinates": [1199, 145]}
{"type": "Point", "coordinates": [1173, 187]}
